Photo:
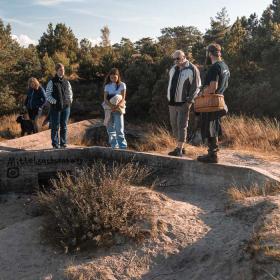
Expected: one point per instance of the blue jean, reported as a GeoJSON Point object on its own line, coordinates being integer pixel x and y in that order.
{"type": "Point", "coordinates": [115, 131]}
{"type": "Point", "coordinates": [58, 120]}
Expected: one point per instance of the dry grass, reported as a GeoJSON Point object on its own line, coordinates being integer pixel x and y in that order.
{"type": "Point", "coordinates": [157, 138]}
{"type": "Point", "coordinates": [10, 129]}
{"type": "Point", "coordinates": [246, 133]}
{"type": "Point", "coordinates": [265, 241]}
{"type": "Point", "coordinates": [96, 205]}
{"type": "Point", "coordinates": [239, 194]}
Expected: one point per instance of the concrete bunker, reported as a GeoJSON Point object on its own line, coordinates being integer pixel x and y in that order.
{"type": "Point", "coordinates": [22, 171]}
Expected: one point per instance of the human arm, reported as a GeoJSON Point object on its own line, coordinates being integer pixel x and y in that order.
{"type": "Point", "coordinates": [195, 85]}
{"type": "Point", "coordinates": [49, 92]}
{"type": "Point", "coordinates": [211, 88]}
{"type": "Point", "coordinates": [70, 92]}
{"type": "Point", "coordinates": [122, 102]}
{"type": "Point", "coordinates": [212, 78]}
{"type": "Point", "coordinates": [107, 102]}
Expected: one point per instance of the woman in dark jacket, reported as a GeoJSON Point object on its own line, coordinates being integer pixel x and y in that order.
{"type": "Point", "coordinates": [34, 101]}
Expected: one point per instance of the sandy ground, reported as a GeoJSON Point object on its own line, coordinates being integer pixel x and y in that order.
{"type": "Point", "coordinates": [198, 237]}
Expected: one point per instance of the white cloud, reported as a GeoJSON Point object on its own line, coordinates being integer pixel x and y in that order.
{"type": "Point", "coordinates": [95, 41]}
{"type": "Point", "coordinates": [53, 2]}
{"type": "Point", "coordinates": [24, 40]}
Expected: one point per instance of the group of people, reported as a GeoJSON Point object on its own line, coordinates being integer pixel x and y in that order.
{"type": "Point", "coordinates": [184, 85]}
{"type": "Point", "coordinates": [59, 96]}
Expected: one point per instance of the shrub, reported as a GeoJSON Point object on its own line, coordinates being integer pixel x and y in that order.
{"type": "Point", "coordinates": [96, 205]}
{"type": "Point", "coordinates": [7, 101]}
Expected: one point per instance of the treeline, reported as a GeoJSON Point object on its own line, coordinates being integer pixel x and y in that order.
{"type": "Point", "coordinates": [251, 48]}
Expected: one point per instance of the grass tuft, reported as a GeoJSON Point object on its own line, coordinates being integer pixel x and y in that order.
{"type": "Point", "coordinates": [96, 205]}
{"type": "Point", "coordinates": [239, 194]}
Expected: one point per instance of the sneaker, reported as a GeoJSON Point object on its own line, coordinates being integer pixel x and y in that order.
{"type": "Point", "coordinates": [63, 146]}
{"type": "Point", "coordinates": [56, 146]}
{"type": "Point", "coordinates": [176, 152]}
{"type": "Point", "coordinates": [208, 158]}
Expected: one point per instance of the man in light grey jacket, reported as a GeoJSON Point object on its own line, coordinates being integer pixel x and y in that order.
{"type": "Point", "coordinates": [184, 85]}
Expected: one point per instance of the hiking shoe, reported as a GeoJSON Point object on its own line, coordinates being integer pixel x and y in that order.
{"type": "Point", "coordinates": [208, 158]}
{"type": "Point", "coordinates": [176, 153]}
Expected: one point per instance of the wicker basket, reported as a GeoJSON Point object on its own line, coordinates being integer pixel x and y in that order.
{"type": "Point", "coordinates": [209, 103]}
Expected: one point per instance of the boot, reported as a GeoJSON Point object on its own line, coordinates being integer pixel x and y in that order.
{"type": "Point", "coordinates": [212, 156]}
{"type": "Point", "coordinates": [209, 158]}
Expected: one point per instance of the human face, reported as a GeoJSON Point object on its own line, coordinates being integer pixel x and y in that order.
{"type": "Point", "coordinates": [60, 72]}
{"type": "Point", "coordinates": [114, 78]}
{"type": "Point", "coordinates": [179, 59]}
{"type": "Point", "coordinates": [33, 85]}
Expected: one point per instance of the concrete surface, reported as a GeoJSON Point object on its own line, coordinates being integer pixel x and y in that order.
{"type": "Point", "coordinates": [23, 170]}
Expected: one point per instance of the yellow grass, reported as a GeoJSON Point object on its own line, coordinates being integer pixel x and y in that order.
{"type": "Point", "coordinates": [238, 194]}
{"type": "Point", "coordinates": [157, 139]}
{"type": "Point", "coordinates": [10, 129]}
{"type": "Point", "coordinates": [251, 134]}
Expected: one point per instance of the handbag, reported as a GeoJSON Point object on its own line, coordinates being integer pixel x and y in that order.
{"type": "Point", "coordinates": [209, 103]}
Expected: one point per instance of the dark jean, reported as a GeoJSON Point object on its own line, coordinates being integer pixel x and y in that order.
{"type": "Point", "coordinates": [58, 120]}
{"type": "Point", "coordinates": [34, 115]}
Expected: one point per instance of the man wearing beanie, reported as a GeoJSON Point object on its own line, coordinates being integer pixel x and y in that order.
{"type": "Point", "coordinates": [216, 81]}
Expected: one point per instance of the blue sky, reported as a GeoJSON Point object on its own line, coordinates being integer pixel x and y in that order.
{"type": "Point", "coordinates": [132, 19]}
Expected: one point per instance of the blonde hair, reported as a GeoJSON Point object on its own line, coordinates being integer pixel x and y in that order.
{"type": "Point", "coordinates": [33, 80]}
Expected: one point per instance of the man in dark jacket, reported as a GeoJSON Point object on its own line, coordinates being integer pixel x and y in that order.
{"type": "Point", "coordinates": [59, 94]}
{"type": "Point", "coordinates": [216, 81]}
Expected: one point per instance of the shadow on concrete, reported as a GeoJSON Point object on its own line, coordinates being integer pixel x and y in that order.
{"type": "Point", "coordinates": [10, 149]}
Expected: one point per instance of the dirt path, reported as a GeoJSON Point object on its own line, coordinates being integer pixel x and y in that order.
{"type": "Point", "coordinates": [198, 238]}
{"type": "Point", "coordinates": [237, 158]}
{"type": "Point", "coordinates": [23, 254]}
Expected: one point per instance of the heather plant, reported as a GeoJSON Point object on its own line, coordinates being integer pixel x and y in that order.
{"type": "Point", "coordinates": [98, 204]}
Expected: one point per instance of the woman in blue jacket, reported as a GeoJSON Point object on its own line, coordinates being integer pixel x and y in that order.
{"type": "Point", "coordinates": [35, 101]}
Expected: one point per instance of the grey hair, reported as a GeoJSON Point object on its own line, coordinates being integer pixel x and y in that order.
{"type": "Point", "coordinates": [177, 53]}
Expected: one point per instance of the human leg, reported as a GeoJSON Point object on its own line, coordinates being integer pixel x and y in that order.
{"type": "Point", "coordinates": [55, 118]}
{"type": "Point", "coordinates": [65, 113]}
{"type": "Point", "coordinates": [119, 126]}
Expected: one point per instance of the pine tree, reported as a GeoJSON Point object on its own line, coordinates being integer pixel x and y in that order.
{"type": "Point", "coordinates": [105, 36]}
{"type": "Point", "coordinates": [219, 28]}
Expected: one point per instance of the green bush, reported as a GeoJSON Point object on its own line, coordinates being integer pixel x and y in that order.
{"type": "Point", "coordinates": [7, 101]}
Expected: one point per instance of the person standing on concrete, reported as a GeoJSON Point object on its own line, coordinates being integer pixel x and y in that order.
{"type": "Point", "coordinates": [60, 96]}
{"type": "Point", "coordinates": [216, 81]}
{"type": "Point", "coordinates": [114, 106]}
{"type": "Point", "coordinates": [34, 102]}
{"type": "Point", "coordinates": [184, 85]}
